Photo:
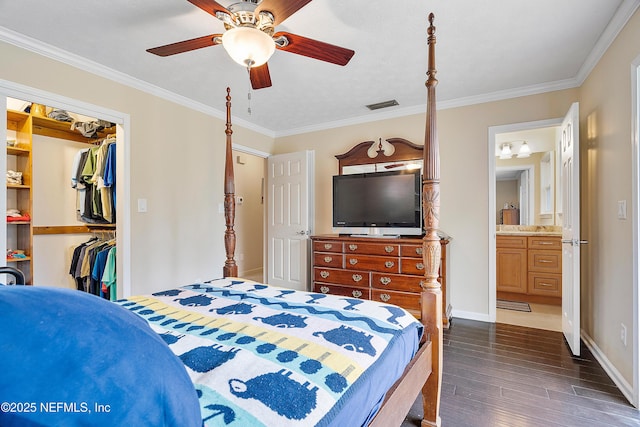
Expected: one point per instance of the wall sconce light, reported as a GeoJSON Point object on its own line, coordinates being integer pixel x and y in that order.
{"type": "Point", "coordinates": [505, 153]}
{"type": "Point", "coordinates": [524, 151]}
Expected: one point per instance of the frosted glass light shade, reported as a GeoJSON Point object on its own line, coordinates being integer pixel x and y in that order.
{"type": "Point", "coordinates": [248, 46]}
{"type": "Point", "coordinates": [505, 153]}
{"type": "Point", "coordinates": [524, 151]}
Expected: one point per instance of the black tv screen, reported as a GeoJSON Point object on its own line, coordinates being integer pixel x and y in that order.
{"type": "Point", "coordinates": [380, 199]}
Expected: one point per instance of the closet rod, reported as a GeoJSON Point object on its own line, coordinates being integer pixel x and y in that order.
{"type": "Point", "coordinates": [72, 229]}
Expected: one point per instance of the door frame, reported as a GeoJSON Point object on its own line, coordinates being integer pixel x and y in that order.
{"type": "Point", "coordinates": [493, 131]}
{"type": "Point", "coordinates": [263, 155]}
{"type": "Point", "coordinates": [635, 212]}
{"type": "Point", "coordinates": [123, 159]}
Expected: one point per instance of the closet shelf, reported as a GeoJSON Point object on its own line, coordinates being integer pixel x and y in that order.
{"type": "Point", "coordinates": [18, 222]}
{"type": "Point", "coordinates": [57, 129]}
{"type": "Point", "coordinates": [17, 151]}
{"type": "Point", "coordinates": [19, 259]}
{"type": "Point", "coordinates": [19, 186]}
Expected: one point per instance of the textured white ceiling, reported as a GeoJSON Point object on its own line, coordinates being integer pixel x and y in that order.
{"type": "Point", "coordinates": [486, 50]}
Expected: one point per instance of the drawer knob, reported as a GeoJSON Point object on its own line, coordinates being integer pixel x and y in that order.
{"type": "Point", "coordinates": [324, 289]}
{"type": "Point", "coordinates": [544, 261]}
{"type": "Point", "coordinates": [545, 243]}
{"type": "Point", "coordinates": [353, 261]}
{"type": "Point", "coordinates": [357, 277]}
{"type": "Point", "coordinates": [356, 293]}
{"type": "Point", "coordinates": [353, 247]}
{"type": "Point", "coordinates": [385, 280]}
{"type": "Point", "coordinates": [328, 259]}
{"type": "Point", "coordinates": [385, 297]}
{"type": "Point", "coordinates": [389, 264]}
{"type": "Point", "coordinates": [324, 274]}
{"type": "Point", "coordinates": [420, 266]}
{"type": "Point", "coordinates": [388, 249]}
{"type": "Point", "coordinates": [545, 284]}
{"type": "Point", "coordinates": [328, 245]}
{"type": "Point", "coordinates": [419, 251]}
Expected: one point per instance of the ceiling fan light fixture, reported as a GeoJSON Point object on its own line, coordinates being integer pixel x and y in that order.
{"type": "Point", "coordinates": [248, 46]}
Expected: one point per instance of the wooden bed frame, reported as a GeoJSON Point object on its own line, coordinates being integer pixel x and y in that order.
{"type": "Point", "coordinates": [424, 372]}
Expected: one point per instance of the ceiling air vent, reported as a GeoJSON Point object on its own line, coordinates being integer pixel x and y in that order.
{"type": "Point", "coordinates": [384, 104]}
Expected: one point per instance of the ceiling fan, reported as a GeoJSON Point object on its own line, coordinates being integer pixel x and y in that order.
{"type": "Point", "coordinates": [250, 40]}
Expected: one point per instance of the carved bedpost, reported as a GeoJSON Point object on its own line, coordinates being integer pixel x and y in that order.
{"type": "Point", "coordinates": [230, 268]}
{"type": "Point", "coordinates": [432, 294]}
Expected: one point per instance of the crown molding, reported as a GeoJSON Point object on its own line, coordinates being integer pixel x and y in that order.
{"type": "Point", "coordinates": [617, 23]}
{"type": "Point", "coordinates": [442, 105]}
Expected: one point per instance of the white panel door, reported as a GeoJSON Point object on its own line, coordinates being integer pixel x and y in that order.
{"type": "Point", "coordinates": [289, 219]}
{"type": "Point", "coordinates": [570, 187]}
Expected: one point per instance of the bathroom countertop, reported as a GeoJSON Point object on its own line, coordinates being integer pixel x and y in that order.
{"type": "Point", "coordinates": [534, 230]}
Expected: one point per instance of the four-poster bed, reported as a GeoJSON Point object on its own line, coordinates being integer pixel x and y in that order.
{"type": "Point", "coordinates": [425, 370]}
{"type": "Point", "coordinates": [254, 354]}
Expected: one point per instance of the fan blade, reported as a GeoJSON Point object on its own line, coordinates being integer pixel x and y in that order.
{"type": "Point", "coordinates": [209, 6]}
{"type": "Point", "coordinates": [315, 49]}
{"type": "Point", "coordinates": [260, 77]}
{"type": "Point", "coordinates": [280, 9]}
{"type": "Point", "coordinates": [184, 46]}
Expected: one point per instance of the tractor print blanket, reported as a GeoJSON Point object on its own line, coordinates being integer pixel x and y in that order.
{"type": "Point", "coordinates": [260, 355]}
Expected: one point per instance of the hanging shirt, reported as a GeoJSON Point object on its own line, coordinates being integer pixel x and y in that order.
{"type": "Point", "coordinates": [109, 276]}
{"type": "Point", "coordinates": [110, 173]}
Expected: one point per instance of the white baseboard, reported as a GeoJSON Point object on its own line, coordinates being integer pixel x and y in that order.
{"type": "Point", "coordinates": [470, 315]}
{"type": "Point", "coordinates": [608, 367]}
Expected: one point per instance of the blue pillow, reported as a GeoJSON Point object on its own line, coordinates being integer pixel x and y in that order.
{"type": "Point", "coordinates": [69, 358]}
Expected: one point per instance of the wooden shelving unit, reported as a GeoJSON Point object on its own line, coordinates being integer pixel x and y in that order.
{"type": "Point", "coordinates": [22, 126]}
{"type": "Point", "coordinates": [20, 196]}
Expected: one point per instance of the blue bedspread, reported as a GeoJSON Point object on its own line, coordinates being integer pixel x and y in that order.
{"type": "Point", "coordinates": [68, 358]}
{"type": "Point", "coordinates": [268, 356]}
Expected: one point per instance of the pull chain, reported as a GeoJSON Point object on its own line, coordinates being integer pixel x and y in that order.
{"type": "Point", "coordinates": [249, 91]}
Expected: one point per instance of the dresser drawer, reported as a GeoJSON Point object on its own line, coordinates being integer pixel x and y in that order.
{"type": "Point", "coordinates": [545, 242]}
{"type": "Point", "coordinates": [545, 261]}
{"type": "Point", "coordinates": [345, 291]}
{"type": "Point", "coordinates": [411, 251]}
{"type": "Point", "coordinates": [406, 300]}
{"type": "Point", "coordinates": [412, 266]}
{"type": "Point", "coordinates": [514, 242]}
{"type": "Point", "coordinates": [372, 263]}
{"type": "Point", "coordinates": [371, 248]}
{"type": "Point", "coordinates": [327, 259]}
{"type": "Point", "coordinates": [548, 284]}
{"type": "Point", "coordinates": [327, 246]}
{"type": "Point", "coordinates": [341, 277]}
{"type": "Point", "coordinates": [396, 282]}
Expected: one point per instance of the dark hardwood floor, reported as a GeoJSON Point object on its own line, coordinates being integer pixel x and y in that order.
{"type": "Point", "coordinates": [499, 375]}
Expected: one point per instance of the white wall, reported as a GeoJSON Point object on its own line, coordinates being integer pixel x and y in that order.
{"type": "Point", "coordinates": [606, 178]}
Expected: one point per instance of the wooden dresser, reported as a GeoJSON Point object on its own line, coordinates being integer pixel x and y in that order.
{"type": "Point", "coordinates": [529, 268]}
{"type": "Point", "coordinates": [380, 269]}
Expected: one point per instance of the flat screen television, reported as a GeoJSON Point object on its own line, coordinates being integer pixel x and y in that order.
{"type": "Point", "coordinates": [378, 203]}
